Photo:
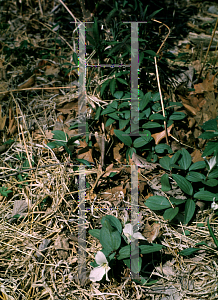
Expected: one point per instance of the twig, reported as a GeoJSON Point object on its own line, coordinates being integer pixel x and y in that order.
{"type": "Point", "coordinates": [208, 49]}
{"type": "Point", "coordinates": [158, 81]}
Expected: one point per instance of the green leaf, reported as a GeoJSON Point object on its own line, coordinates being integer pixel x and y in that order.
{"type": "Point", "coordinates": [139, 142]}
{"type": "Point", "coordinates": [175, 201]}
{"type": "Point", "coordinates": [160, 148]}
{"type": "Point", "coordinates": [104, 85]}
{"type": "Point", "coordinates": [211, 233]}
{"type": "Point", "coordinates": [189, 251]}
{"type": "Point", "coordinates": [112, 174]}
{"type": "Point", "coordinates": [141, 56]}
{"type": "Point", "coordinates": [151, 124]}
{"type": "Point", "coordinates": [185, 160]}
{"type": "Point", "coordinates": [108, 110]}
{"type": "Point", "coordinates": [122, 81]}
{"type": "Point", "coordinates": [118, 94]}
{"type": "Point", "coordinates": [210, 148]}
{"type": "Point", "coordinates": [60, 135]}
{"type": "Point", "coordinates": [4, 191]}
{"type": "Point", "coordinates": [109, 122]}
{"type": "Point", "coordinates": [197, 165]}
{"type": "Point", "coordinates": [170, 213]}
{"type": "Point", "coordinates": [195, 176]}
{"type": "Point", "coordinates": [124, 252]}
{"type": "Point", "coordinates": [177, 115]}
{"type": "Point", "coordinates": [123, 137]}
{"type": "Point", "coordinates": [146, 135]}
{"type": "Point", "coordinates": [116, 239]}
{"type": "Point", "coordinates": [75, 58]}
{"type": "Point", "coordinates": [55, 144]}
{"type": "Point", "coordinates": [106, 239]}
{"type": "Point", "coordinates": [147, 112]}
{"type": "Point", "coordinates": [95, 233]}
{"type": "Point", "coordinates": [175, 157]}
{"type": "Point", "coordinates": [150, 52]}
{"type": "Point", "coordinates": [213, 174]}
{"type": "Point", "coordinates": [157, 203]}
{"type": "Point", "coordinates": [129, 152]}
{"type": "Point", "coordinates": [165, 184]}
{"type": "Point", "coordinates": [165, 162]}
{"type": "Point", "coordinates": [84, 162]}
{"type": "Point", "coordinates": [184, 184]}
{"type": "Point", "coordinates": [95, 31]}
{"type": "Point", "coordinates": [114, 222]}
{"type": "Point", "coordinates": [205, 196]}
{"type": "Point", "coordinates": [112, 85]}
{"type": "Point", "coordinates": [126, 114]}
{"type": "Point", "coordinates": [98, 112]}
{"type": "Point", "coordinates": [211, 125]}
{"type": "Point", "coordinates": [208, 135]}
{"type": "Point", "coordinates": [187, 232]}
{"type": "Point", "coordinates": [146, 249]}
{"type": "Point", "coordinates": [134, 264]}
{"type": "Point", "coordinates": [210, 182]}
{"type": "Point", "coordinates": [114, 115]}
{"type": "Point", "coordinates": [154, 13]}
{"type": "Point", "coordinates": [156, 117]}
{"type": "Point", "coordinates": [124, 104]}
{"type": "Point", "coordinates": [156, 97]}
{"type": "Point", "coordinates": [122, 123]}
{"type": "Point", "coordinates": [189, 210]}
{"type": "Point", "coordinates": [144, 101]}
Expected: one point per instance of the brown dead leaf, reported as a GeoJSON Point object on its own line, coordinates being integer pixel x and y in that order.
{"type": "Point", "coordinates": [111, 169]}
{"type": "Point", "coordinates": [161, 135]}
{"type": "Point", "coordinates": [12, 125]}
{"type": "Point", "coordinates": [28, 83]}
{"type": "Point", "coordinates": [197, 65]}
{"type": "Point", "coordinates": [69, 107]}
{"type": "Point", "coordinates": [2, 119]}
{"type": "Point", "coordinates": [116, 152]}
{"type": "Point", "coordinates": [196, 156]}
{"type": "Point", "coordinates": [19, 208]}
{"type": "Point", "coordinates": [151, 232]}
{"type": "Point", "coordinates": [62, 246]}
{"type": "Point", "coordinates": [142, 163]}
{"type": "Point", "coordinates": [115, 194]}
{"type": "Point", "coordinates": [84, 152]}
{"type": "Point", "coordinates": [191, 109]}
{"type": "Point", "coordinates": [206, 86]}
{"type": "Point", "coordinates": [52, 70]}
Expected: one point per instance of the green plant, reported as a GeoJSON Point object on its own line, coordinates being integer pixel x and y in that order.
{"type": "Point", "coordinates": [116, 248]}
{"type": "Point", "coordinates": [190, 251]}
{"type": "Point", "coordinates": [189, 177]}
{"type": "Point", "coordinates": [210, 132]}
{"type": "Point", "coordinates": [4, 191]}
{"type": "Point", "coordinates": [118, 112]}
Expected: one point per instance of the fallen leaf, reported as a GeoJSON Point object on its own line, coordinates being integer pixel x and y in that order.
{"type": "Point", "coordinates": [84, 152]}
{"type": "Point", "coordinates": [151, 232]}
{"type": "Point", "coordinates": [2, 119]}
{"type": "Point", "coordinates": [161, 135]}
{"type": "Point", "coordinates": [142, 163]}
{"type": "Point", "coordinates": [62, 246]}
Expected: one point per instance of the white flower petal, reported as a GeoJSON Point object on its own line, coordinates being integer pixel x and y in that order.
{"type": "Point", "coordinates": [138, 236]}
{"type": "Point", "coordinates": [128, 229]}
{"type": "Point", "coordinates": [100, 258]}
{"type": "Point", "coordinates": [106, 272]}
{"type": "Point", "coordinates": [97, 273]}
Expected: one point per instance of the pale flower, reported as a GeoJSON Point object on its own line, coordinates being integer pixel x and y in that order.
{"type": "Point", "coordinates": [97, 273]}
{"type": "Point", "coordinates": [131, 237]}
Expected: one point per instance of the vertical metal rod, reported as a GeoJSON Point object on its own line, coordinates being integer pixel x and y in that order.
{"type": "Point", "coordinates": [134, 256]}
{"type": "Point", "coordinates": [134, 119]}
